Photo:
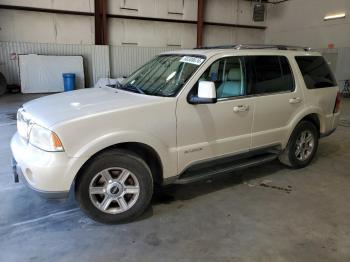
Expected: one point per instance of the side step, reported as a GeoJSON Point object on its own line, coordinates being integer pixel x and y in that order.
{"type": "Point", "coordinates": [197, 174]}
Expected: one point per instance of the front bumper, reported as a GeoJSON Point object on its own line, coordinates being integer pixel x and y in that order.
{"type": "Point", "coordinates": [51, 174]}
{"type": "Point", "coordinates": [18, 176]}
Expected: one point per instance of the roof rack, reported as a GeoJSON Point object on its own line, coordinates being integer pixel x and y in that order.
{"type": "Point", "coordinates": [242, 46]}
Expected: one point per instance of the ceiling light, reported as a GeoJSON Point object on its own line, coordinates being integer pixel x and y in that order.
{"type": "Point", "coordinates": [335, 16]}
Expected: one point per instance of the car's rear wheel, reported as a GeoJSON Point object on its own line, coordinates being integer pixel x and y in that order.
{"type": "Point", "coordinates": [115, 187]}
{"type": "Point", "coordinates": [302, 146]}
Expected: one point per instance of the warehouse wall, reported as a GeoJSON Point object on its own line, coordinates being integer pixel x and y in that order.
{"type": "Point", "coordinates": [95, 58]}
{"type": "Point", "coordinates": [160, 34]}
{"type": "Point", "coordinates": [339, 61]}
{"type": "Point", "coordinates": [300, 22]}
{"type": "Point", "coordinates": [37, 27]}
{"type": "Point", "coordinates": [27, 26]}
{"type": "Point", "coordinates": [132, 42]}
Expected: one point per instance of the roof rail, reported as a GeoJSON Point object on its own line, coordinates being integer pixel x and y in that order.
{"type": "Point", "coordinates": [243, 46]}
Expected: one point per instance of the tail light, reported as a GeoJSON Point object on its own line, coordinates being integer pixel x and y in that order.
{"type": "Point", "coordinates": [337, 103]}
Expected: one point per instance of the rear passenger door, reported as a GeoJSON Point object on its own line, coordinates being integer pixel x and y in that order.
{"type": "Point", "coordinates": [278, 98]}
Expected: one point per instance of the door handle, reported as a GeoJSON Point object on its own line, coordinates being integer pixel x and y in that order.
{"type": "Point", "coordinates": [295, 100]}
{"type": "Point", "coordinates": [240, 108]}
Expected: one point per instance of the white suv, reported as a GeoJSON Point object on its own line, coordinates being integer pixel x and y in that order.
{"type": "Point", "coordinates": [184, 116]}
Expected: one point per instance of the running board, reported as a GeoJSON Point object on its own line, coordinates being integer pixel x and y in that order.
{"type": "Point", "coordinates": [198, 174]}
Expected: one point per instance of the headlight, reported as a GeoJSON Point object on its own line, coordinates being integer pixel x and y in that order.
{"type": "Point", "coordinates": [44, 139]}
{"type": "Point", "coordinates": [23, 124]}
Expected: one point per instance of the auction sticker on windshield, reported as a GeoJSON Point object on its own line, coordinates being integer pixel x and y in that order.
{"type": "Point", "coordinates": [192, 60]}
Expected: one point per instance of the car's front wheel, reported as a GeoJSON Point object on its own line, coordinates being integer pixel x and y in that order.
{"type": "Point", "coordinates": [115, 187]}
{"type": "Point", "coordinates": [302, 146]}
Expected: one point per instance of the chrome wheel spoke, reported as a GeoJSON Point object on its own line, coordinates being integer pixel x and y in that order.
{"type": "Point", "coordinates": [106, 175]}
{"type": "Point", "coordinates": [122, 203]}
{"type": "Point", "coordinates": [106, 202]}
{"type": "Point", "coordinates": [309, 146]}
{"type": "Point", "coordinates": [309, 138]}
{"type": "Point", "coordinates": [123, 176]}
{"type": "Point", "coordinates": [97, 190]}
{"type": "Point", "coordinates": [131, 190]}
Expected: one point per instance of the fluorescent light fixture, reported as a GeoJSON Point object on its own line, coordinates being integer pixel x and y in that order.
{"type": "Point", "coordinates": [335, 16]}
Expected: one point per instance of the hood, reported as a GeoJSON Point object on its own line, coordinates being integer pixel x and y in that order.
{"type": "Point", "coordinates": [50, 110]}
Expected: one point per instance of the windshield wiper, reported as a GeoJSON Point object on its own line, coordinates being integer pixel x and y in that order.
{"type": "Point", "coordinates": [132, 88]}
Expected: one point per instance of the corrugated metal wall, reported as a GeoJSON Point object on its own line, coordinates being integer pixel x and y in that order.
{"type": "Point", "coordinates": [96, 58]}
{"type": "Point", "coordinates": [99, 61]}
{"type": "Point", "coordinates": [125, 59]}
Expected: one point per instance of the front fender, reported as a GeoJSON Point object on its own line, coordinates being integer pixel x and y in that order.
{"type": "Point", "coordinates": [168, 156]}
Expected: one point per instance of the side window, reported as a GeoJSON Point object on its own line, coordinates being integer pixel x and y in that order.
{"type": "Point", "coordinates": [228, 74]}
{"type": "Point", "coordinates": [269, 74]}
{"type": "Point", "coordinates": [315, 71]}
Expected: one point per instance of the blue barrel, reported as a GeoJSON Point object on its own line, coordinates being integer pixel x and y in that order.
{"type": "Point", "coordinates": [68, 81]}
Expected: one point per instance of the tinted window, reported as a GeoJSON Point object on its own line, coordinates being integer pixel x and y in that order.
{"type": "Point", "coordinates": [315, 71]}
{"type": "Point", "coordinates": [269, 74]}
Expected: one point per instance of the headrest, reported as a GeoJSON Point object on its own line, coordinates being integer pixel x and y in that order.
{"type": "Point", "coordinates": [234, 74]}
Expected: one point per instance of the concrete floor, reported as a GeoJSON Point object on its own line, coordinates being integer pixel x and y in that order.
{"type": "Point", "coordinates": [234, 218]}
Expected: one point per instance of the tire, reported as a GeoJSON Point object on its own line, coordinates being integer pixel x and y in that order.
{"type": "Point", "coordinates": [300, 151]}
{"type": "Point", "coordinates": [115, 187]}
{"type": "Point", "coordinates": [3, 84]}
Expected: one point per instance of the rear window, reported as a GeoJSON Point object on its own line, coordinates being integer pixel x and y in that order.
{"type": "Point", "coordinates": [315, 71]}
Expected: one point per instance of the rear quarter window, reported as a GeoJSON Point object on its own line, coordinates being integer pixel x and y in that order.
{"type": "Point", "coordinates": [316, 72]}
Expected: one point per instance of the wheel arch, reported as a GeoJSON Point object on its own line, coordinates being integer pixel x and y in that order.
{"type": "Point", "coordinates": [146, 152]}
{"type": "Point", "coordinates": [312, 116]}
{"type": "Point", "coordinates": [314, 119]}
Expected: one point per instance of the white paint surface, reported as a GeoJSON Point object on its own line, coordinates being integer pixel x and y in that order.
{"type": "Point", "coordinates": [43, 74]}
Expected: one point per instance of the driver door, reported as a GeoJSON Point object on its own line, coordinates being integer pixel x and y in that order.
{"type": "Point", "coordinates": [210, 131]}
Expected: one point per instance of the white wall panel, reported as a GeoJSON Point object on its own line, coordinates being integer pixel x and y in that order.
{"type": "Point", "coordinates": [131, 4]}
{"type": "Point", "coordinates": [76, 5]}
{"type": "Point", "coordinates": [249, 36]}
{"type": "Point", "coordinates": [224, 11]}
{"type": "Point", "coordinates": [220, 35]}
{"type": "Point", "coordinates": [20, 26]}
{"type": "Point", "coordinates": [176, 6]}
{"type": "Point", "coordinates": [74, 31]}
{"type": "Point", "coordinates": [7, 32]}
{"type": "Point", "coordinates": [217, 35]}
{"type": "Point", "coordinates": [29, 26]}
{"type": "Point", "coordinates": [156, 8]}
{"type": "Point", "coordinates": [151, 33]}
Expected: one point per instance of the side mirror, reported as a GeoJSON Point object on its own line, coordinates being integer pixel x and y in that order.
{"type": "Point", "coordinates": [206, 94]}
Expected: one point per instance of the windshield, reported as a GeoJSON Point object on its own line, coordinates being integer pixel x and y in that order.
{"type": "Point", "coordinates": [165, 75]}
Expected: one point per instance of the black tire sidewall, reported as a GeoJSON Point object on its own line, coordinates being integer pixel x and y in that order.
{"type": "Point", "coordinates": [121, 159]}
{"type": "Point", "coordinates": [302, 126]}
